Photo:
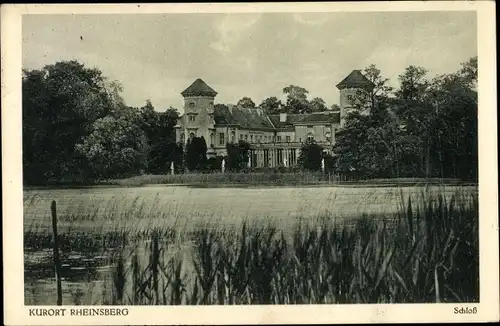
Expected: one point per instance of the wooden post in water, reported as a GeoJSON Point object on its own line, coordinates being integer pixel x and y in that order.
{"type": "Point", "coordinates": [57, 262]}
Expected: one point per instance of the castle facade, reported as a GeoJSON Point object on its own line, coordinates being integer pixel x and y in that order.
{"type": "Point", "coordinates": [275, 139]}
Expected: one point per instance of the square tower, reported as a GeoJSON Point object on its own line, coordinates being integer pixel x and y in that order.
{"type": "Point", "coordinates": [354, 91]}
{"type": "Point", "coordinates": [198, 118]}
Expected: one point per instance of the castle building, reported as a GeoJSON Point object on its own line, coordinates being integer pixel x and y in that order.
{"type": "Point", "coordinates": [275, 139]}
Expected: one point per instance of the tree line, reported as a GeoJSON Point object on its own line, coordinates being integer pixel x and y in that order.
{"type": "Point", "coordinates": [296, 102]}
{"type": "Point", "coordinates": [425, 128]}
{"type": "Point", "coordinates": [76, 127]}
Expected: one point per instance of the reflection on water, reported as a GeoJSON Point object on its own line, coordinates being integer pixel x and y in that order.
{"type": "Point", "coordinates": [79, 273]}
{"type": "Point", "coordinates": [87, 276]}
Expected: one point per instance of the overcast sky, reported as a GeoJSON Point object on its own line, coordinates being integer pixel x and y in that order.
{"type": "Point", "coordinates": [255, 55]}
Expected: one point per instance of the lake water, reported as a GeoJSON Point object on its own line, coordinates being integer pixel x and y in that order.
{"type": "Point", "coordinates": [94, 209]}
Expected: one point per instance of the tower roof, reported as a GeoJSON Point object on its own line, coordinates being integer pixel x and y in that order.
{"type": "Point", "coordinates": [199, 88]}
{"type": "Point", "coordinates": [355, 79]}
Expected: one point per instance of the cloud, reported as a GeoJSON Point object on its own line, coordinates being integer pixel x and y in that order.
{"type": "Point", "coordinates": [311, 19]}
{"type": "Point", "coordinates": [232, 29]}
{"type": "Point", "coordinates": [256, 55]}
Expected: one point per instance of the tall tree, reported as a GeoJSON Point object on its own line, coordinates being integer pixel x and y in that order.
{"type": "Point", "coordinates": [335, 107]}
{"type": "Point", "coordinates": [246, 102]}
{"type": "Point", "coordinates": [416, 112]}
{"type": "Point", "coordinates": [310, 156]}
{"type": "Point", "coordinates": [379, 97]}
{"type": "Point", "coordinates": [61, 102]}
{"type": "Point", "coordinates": [117, 146]}
{"type": "Point", "coordinates": [413, 84]}
{"type": "Point", "coordinates": [317, 104]}
{"type": "Point", "coordinates": [271, 105]}
{"type": "Point", "coordinates": [296, 100]}
{"type": "Point", "coordinates": [196, 154]}
{"type": "Point", "coordinates": [159, 130]}
{"type": "Point", "coordinates": [468, 73]}
{"type": "Point", "coordinates": [453, 132]}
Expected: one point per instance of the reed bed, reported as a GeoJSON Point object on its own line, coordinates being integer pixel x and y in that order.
{"type": "Point", "coordinates": [424, 251]}
{"type": "Point", "coordinates": [427, 252]}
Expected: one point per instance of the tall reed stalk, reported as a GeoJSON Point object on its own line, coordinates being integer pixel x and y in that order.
{"type": "Point", "coordinates": [428, 252]}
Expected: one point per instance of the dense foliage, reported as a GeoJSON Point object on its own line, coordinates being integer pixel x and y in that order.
{"type": "Point", "coordinates": [310, 156]}
{"type": "Point", "coordinates": [196, 154]}
{"type": "Point", "coordinates": [426, 128]}
{"type": "Point", "coordinates": [77, 127]}
{"type": "Point", "coordinates": [237, 155]}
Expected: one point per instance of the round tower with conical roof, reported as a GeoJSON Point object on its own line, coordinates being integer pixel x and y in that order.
{"type": "Point", "coordinates": [354, 90]}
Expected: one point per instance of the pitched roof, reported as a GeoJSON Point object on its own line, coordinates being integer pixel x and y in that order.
{"type": "Point", "coordinates": [294, 119]}
{"type": "Point", "coordinates": [288, 124]}
{"type": "Point", "coordinates": [355, 79]}
{"type": "Point", "coordinates": [245, 118]}
{"type": "Point", "coordinates": [199, 87]}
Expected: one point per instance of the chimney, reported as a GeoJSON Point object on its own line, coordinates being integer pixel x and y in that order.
{"type": "Point", "coordinates": [282, 117]}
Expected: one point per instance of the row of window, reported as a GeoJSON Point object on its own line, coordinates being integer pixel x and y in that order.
{"type": "Point", "coordinates": [193, 104]}
{"type": "Point", "coordinates": [258, 138]}
{"type": "Point", "coordinates": [264, 139]}
{"type": "Point", "coordinates": [192, 118]}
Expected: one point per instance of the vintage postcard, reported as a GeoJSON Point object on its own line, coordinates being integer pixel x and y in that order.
{"type": "Point", "coordinates": [251, 163]}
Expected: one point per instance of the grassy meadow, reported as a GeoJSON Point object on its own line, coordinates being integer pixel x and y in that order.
{"type": "Point", "coordinates": [183, 245]}
{"type": "Point", "coordinates": [265, 178]}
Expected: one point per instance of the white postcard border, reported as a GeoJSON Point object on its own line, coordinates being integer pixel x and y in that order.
{"type": "Point", "coordinates": [17, 314]}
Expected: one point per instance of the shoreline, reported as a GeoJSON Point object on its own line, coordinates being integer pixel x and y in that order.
{"type": "Point", "coordinates": [258, 185]}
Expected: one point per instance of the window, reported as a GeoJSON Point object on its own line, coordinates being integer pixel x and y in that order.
{"type": "Point", "coordinates": [310, 136]}
{"type": "Point", "coordinates": [288, 138]}
{"type": "Point", "coordinates": [191, 104]}
{"type": "Point", "coordinates": [349, 97]}
{"type": "Point", "coordinates": [191, 118]}
{"type": "Point", "coordinates": [251, 138]}
{"type": "Point", "coordinates": [221, 139]}
{"type": "Point", "coordinates": [241, 137]}
{"type": "Point", "coordinates": [233, 136]}
{"type": "Point", "coordinates": [212, 139]}
{"type": "Point", "coordinates": [278, 139]}
{"type": "Point", "coordinates": [246, 137]}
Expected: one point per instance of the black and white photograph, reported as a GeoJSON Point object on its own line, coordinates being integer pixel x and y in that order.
{"type": "Point", "coordinates": [244, 158]}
